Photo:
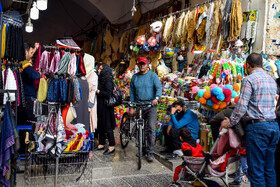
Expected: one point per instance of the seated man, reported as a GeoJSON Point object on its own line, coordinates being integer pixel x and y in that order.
{"type": "Point", "coordinates": [183, 118]}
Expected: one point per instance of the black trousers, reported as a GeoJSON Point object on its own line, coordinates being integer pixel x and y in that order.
{"type": "Point", "coordinates": [110, 135]}
{"type": "Point", "coordinates": [172, 142]}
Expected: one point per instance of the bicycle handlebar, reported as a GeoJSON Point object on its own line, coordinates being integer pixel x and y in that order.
{"type": "Point", "coordinates": [137, 104]}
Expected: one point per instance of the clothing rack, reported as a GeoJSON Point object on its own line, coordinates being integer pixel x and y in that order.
{"type": "Point", "coordinates": [170, 14]}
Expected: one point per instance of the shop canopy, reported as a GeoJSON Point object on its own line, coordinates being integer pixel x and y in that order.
{"type": "Point", "coordinates": [70, 17]}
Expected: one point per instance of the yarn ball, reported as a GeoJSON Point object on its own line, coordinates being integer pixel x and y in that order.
{"type": "Point", "coordinates": [221, 97]}
{"type": "Point", "coordinates": [202, 100]}
{"type": "Point", "coordinates": [213, 86]}
{"type": "Point", "coordinates": [215, 106]}
{"type": "Point", "coordinates": [195, 89]}
{"type": "Point", "coordinates": [236, 99]}
{"type": "Point", "coordinates": [228, 86]}
{"type": "Point", "coordinates": [216, 91]}
{"type": "Point", "coordinates": [222, 86]}
{"type": "Point", "coordinates": [234, 94]}
{"type": "Point", "coordinates": [223, 105]}
{"type": "Point", "coordinates": [236, 87]}
{"type": "Point", "coordinates": [207, 94]}
{"type": "Point", "coordinates": [227, 92]}
{"type": "Point", "coordinates": [200, 92]}
{"type": "Point", "coordinates": [207, 88]}
{"type": "Point", "coordinates": [209, 102]}
{"type": "Point", "coordinates": [214, 99]}
{"type": "Point", "coordinates": [227, 99]}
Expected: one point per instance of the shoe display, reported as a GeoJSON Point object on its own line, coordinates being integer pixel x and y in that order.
{"type": "Point", "coordinates": [108, 152]}
{"type": "Point", "coordinates": [150, 157]}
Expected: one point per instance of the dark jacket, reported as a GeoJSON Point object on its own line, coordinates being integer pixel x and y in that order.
{"type": "Point", "coordinates": [28, 76]}
{"type": "Point", "coordinates": [216, 121]}
{"type": "Point", "coordinates": [105, 115]}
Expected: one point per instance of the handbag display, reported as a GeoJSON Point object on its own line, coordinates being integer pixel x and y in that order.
{"type": "Point", "coordinates": [115, 99]}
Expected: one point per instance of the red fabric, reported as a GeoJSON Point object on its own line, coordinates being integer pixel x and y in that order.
{"type": "Point", "coordinates": [82, 68]}
{"type": "Point", "coordinates": [196, 151]}
{"type": "Point", "coordinates": [74, 146]}
{"type": "Point", "coordinates": [224, 165]}
{"type": "Point", "coordinates": [177, 172]}
{"type": "Point", "coordinates": [61, 55]}
{"type": "Point", "coordinates": [36, 66]}
{"type": "Point", "coordinates": [64, 114]}
{"type": "Point", "coordinates": [242, 151]}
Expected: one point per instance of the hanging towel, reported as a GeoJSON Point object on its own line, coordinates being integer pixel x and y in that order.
{"type": "Point", "coordinates": [63, 64]}
{"type": "Point", "coordinates": [72, 65]}
{"type": "Point", "coordinates": [55, 62]}
{"type": "Point", "coordinates": [44, 62]}
{"type": "Point", "coordinates": [6, 146]}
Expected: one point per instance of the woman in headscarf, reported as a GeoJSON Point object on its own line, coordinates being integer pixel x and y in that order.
{"type": "Point", "coordinates": [105, 115]}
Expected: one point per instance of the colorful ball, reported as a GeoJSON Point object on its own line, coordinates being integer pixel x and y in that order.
{"type": "Point", "coordinates": [236, 99]}
{"type": "Point", "coordinates": [152, 41]}
{"type": "Point", "coordinates": [227, 99]}
{"type": "Point", "coordinates": [200, 92]}
{"type": "Point", "coordinates": [207, 88]}
{"type": "Point", "coordinates": [202, 100]}
{"type": "Point", "coordinates": [221, 97]}
{"type": "Point", "coordinates": [228, 86]}
{"type": "Point", "coordinates": [156, 47]}
{"type": "Point", "coordinates": [207, 94]}
{"type": "Point", "coordinates": [227, 92]}
{"type": "Point", "coordinates": [141, 40]}
{"type": "Point", "coordinates": [236, 87]}
{"type": "Point", "coordinates": [234, 94]}
{"type": "Point", "coordinates": [215, 106]}
{"type": "Point", "coordinates": [195, 89]}
{"type": "Point", "coordinates": [214, 99]}
{"type": "Point", "coordinates": [223, 105]}
{"type": "Point", "coordinates": [216, 91]}
{"type": "Point", "coordinates": [213, 86]}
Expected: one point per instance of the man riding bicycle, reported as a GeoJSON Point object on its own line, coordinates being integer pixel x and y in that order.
{"type": "Point", "coordinates": [146, 85]}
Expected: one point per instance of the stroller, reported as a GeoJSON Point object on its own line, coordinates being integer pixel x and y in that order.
{"type": "Point", "coordinates": [197, 169]}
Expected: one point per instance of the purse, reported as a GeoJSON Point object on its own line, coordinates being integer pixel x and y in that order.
{"type": "Point", "coordinates": [42, 90]}
{"type": "Point", "coordinates": [115, 99]}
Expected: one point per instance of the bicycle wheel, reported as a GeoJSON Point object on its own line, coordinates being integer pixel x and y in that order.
{"type": "Point", "coordinates": [140, 144]}
{"type": "Point", "coordinates": [124, 130]}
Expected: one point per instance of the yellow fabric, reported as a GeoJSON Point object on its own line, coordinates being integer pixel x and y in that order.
{"type": "Point", "coordinates": [3, 41]}
{"type": "Point", "coordinates": [42, 90]}
{"type": "Point", "coordinates": [24, 64]}
{"type": "Point", "coordinates": [236, 18]}
{"type": "Point", "coordinates": [192, 25]}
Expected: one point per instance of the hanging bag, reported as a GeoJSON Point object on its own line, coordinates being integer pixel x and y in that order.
{"type": "Point", "coordinates": [115, 99]}
{"type": "Point", "coordinates": [43, 89]}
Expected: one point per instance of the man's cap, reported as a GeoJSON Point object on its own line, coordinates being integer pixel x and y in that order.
{"type": "Point", "coordinates": [143, 59]}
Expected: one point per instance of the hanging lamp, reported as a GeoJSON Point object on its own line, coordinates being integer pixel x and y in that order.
{"type": "Point", "coordinates": [29, 26]}
{"type": "Point", "coordinates": [42, 4]}
{"type": "Point", "coordinates": [34, 12]}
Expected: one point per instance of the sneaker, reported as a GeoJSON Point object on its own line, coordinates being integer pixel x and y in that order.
{"type": "Point", "coordinates": [150, 157]}
{"type": "Point", "coordinates": [234, 183]}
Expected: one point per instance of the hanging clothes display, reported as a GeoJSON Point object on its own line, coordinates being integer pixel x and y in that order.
{"type": "Point", "coordinates": [82, 106]}
{"type": "Point", "coordinates": [92, 80]}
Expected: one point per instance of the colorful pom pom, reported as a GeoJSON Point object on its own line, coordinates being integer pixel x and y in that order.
{"type": "Point", "coordinates": [207, 94]}
{"type": "Point", "coordinates": [236, 87]}
{"type": "Point", "coordinates": [221, 97]}
{"type": "Point", "coordinates": [213, 86]}
{"type": "Point", "coordinates": [195, 89]}
{"type": "Point", "coordinates": [207, 88]}
{"type": "Point", "coordinates": [236, 99]}
{"type": "Point", "coordinates": [234, 94]}
{"type": "Point", "coordinates": [209, 102]}
{"type": "Point", "coordinates": [223, 105]}
{"type": "Point", "coordinates": [200, 92]}
{"type": "Point", "coordinates": [202, 100]}
{"type": "Point", "coordinates": [196, 98]}
{"type": "Point", "coordinates": [228, 86]}
{"type": "Point", "coordinates": [216, 91]}
{"type": "Point", "coordinates": [214, 99]}
{"type": "Point", "coordinates": [227, 92]}
{"type": "Point", "coordinates": [227, 99]}
{"type": "Point", "coordinates": [215, 106]}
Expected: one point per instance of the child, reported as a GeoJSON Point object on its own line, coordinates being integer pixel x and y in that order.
{"type": "Point", "coordinates": [189, 148]}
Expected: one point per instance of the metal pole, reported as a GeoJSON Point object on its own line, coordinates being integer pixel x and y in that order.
{"type": "Point", "coordinates": [56, 172]}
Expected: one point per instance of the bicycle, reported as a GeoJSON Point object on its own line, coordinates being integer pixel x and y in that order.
{"type": "Point", "coordinates": [134, 127]}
